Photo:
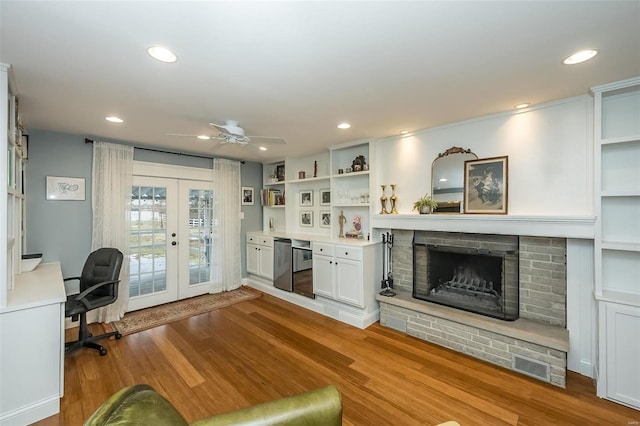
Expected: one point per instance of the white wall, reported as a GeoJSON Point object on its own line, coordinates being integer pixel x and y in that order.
{"type": "Point", "coordinates": [550, 157]}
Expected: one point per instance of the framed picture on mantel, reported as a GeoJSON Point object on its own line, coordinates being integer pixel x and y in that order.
{"type": "Point", "coordinates": [485, 185]}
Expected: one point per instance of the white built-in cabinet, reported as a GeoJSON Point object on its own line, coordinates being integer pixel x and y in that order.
{"type": "Point", "coordinates": [260, 255]}
{"type": "Point", "coordinates": [617, 242]}
{"type": "Point", "coordinates": [338, 273]}
{"type": "Point", "coordinates": [31, 303]}
{"type": "Point", "coordinates": [344, 281]}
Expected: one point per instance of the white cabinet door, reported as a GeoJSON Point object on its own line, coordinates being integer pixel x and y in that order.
{"type": "Point", "coordinates": [623, 353]}
{"type": "Point", "coordinates": [252, 259]}
{"type": "Point", "coordinates": [349, 288]}
{"type": "Point", "coordinates": [266, 262]}
{"type": "Point", "coordinates": [323, 276]}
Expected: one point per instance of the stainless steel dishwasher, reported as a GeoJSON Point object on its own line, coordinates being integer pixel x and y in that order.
{"type": "Point", "coordinates": [282, 272]}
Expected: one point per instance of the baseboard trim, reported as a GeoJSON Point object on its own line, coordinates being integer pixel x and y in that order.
{"type": "Point", "coordinates": [33, 412]}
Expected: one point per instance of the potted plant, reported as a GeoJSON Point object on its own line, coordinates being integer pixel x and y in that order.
{"type": "Point", "coordinates": [425, 205]}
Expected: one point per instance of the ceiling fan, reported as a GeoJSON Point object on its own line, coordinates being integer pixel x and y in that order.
{"type": "Point", "coordinates": [231, 133]}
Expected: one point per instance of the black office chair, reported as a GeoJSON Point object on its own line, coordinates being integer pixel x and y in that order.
{"type": "Point", "coordinates": [98, 287]}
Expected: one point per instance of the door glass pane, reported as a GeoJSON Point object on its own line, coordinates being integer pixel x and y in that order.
{"type": "Point", "coordinates": [200, 214]}
{"type": "Point", "coordinates": [147, 240]}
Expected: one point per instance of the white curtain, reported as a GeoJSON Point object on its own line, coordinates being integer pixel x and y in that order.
{"type": "Point", "coordinates": [111, 203]}
{"type": "Point", "coordinates": [226, 273]}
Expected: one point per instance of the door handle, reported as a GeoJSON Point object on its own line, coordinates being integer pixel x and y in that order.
{"type": "Point", "coordinates": [173, 243]}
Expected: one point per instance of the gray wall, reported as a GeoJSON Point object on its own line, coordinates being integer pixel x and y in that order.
{"type": "Point", "coordinates": [61, 230]}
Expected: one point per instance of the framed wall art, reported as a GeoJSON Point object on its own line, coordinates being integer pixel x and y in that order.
{"type": "Point", "coordinates": [325, 197]}
{"type": "Point", "coordinates": [306, 198]}
{"type": "Point", "coordinates": [485, 185]}
{"type": "Point", "coordinates": [325, 219]}
{"type": "Point", "coordinates": [65, 188]}
{"type": "Point", "coordinates": [247, 196]}
{"type": "Point", "coordinates": [306, 218]}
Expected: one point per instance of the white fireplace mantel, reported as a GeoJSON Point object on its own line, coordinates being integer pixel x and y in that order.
{"type": "Point", "coordinates": [539, 226]}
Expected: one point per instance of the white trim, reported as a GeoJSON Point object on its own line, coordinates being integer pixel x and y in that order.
{"type": "Point", "coordinates": [142, 168]}
{"type": "Point", "coordinates": [33, 412]}
{"type": "Point", "coordinates": [538, 226]}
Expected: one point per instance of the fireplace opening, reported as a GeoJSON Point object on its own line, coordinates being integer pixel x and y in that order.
{"type": "Point", "coordinates": [477, 280]}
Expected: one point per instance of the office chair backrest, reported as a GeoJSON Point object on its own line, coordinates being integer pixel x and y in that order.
{"type": "Point", "coordinates": [102, 265]}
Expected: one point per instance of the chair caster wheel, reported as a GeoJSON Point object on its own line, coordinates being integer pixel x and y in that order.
{"type": "Point", "coordinates": [118, 336]}
{"type": "Point", "coordinates": [103, 351]}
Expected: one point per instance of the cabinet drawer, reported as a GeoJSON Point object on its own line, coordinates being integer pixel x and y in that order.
{"type": "Point", "coordinates": [265, 241]}
{"type": "Point", "coordinates": [347, 252]}
{"type": "Point", "coordinates": [252, 238]}
{"type": "Point", "coordinates": [323, 249]}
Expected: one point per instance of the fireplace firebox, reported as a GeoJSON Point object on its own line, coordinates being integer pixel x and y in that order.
{"type": "Point", "coordinates": [480, 280]}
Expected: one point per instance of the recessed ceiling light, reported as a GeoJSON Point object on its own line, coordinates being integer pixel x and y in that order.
{"type": "Point", "coordinates": [581, 56]}
{"type": "Point", "coordinates": [162, 54]}
{"type": "Point", "coordinates": [204, 137]}
{"type": "Point", "coordinates": [524, 105]}
{"type": "Point", "coordinates": [344, 125]}
{"type": "Point", "coordinates": [263, 148]}
{"type": "Point", "coordinates": [443, 179]}
{"type": "Point", "coordinates": [404, 132]}
{"type": "Point", "coordinates": [114, 119]}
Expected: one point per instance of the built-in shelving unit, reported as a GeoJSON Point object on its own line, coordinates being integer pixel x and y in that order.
{"type": "Point", "coordinates": [617, 239]}
{"type": "Point", "coordinates": [327, 172]}
{"type": "Point", "coordinates": [12, 166]}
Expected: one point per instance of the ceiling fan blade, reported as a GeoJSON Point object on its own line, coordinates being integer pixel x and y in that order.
{"type": "Point", "coordinates": [220, 128]}
{"type": "Point", "coordinates": [268, 139]}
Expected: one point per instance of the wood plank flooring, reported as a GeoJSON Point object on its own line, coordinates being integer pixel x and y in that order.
{"type": "Point", "coordinates": [266, 348]}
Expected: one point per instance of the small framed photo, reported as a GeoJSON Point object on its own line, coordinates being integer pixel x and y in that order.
{"type": "Point", "coordinates": [306, 198]}
{"type": "Point", "coordinates": [280, 172]}
{"type": "Point", "coordinates": [325, 219]}
{"type": "Point", "coordinates": [325, 197]}
{"type": "Point", "coordinates": [485, 185]}
{"type": "Point", "coordinates": [306, 218]}
{"type": "Point", "coordinates": [247, 196]}
{"type": "Point", "coordinates": [65, 188]}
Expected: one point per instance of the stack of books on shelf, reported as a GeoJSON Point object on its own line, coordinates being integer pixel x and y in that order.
{"type": "Point", "coordinates": [271, 197]}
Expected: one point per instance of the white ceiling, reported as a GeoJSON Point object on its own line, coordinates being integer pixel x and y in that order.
{"type": "Point", "coordinates": [297, 69]}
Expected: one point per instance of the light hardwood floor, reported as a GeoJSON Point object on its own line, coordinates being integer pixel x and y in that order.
{"type": "Point", "coordinates": [266, 348]}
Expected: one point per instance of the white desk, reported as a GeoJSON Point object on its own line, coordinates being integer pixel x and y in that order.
{"type": "Point", "coordinates": [32, 347]}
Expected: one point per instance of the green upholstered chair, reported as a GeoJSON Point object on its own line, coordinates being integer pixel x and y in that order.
{"type": "Point", "coordinates": [142, 405]}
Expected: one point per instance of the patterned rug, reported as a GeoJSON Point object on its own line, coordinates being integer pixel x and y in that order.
{"type": "Point", "coordinates": [145, 319]}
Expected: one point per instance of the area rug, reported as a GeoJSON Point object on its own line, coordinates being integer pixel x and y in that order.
{"type": "Point", "coordinates": [145, 319]}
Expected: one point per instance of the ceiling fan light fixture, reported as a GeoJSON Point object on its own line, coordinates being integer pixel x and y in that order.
{"type": "Point", "coordinates": [114, 119]}
{"type": "Point", "coordinates": [161, 54]}
{"type": "Point", "coordinates": [581, 56]}
{"type": "Point", "coordinates": [344, 126]}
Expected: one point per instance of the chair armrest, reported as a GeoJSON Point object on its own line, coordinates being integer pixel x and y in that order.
{"type": "Point", "coordinates": [71, 278]}
{"type": "Point", "coordinates": [322, 407]}
{"type": "Point", "coordinates": [136, 405]}
{"type": "Point", "coordinates": [82, 296]}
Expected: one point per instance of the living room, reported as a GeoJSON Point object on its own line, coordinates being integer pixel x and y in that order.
{"type": "Point", "coordinates": [553, 170]}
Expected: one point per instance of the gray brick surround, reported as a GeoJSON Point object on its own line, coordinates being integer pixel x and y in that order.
{"type": "Point", "coordinates": [540, 334]}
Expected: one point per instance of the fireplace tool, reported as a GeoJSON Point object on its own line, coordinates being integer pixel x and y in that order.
{"type": "Point", "coordinates": [387, 274]}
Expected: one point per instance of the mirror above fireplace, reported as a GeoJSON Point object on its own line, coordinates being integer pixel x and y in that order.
{"type": "Point", "coordinates": [447, 178]}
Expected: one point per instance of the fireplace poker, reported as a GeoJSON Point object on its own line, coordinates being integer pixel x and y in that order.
{"type": "Point", "coordinates": [387, 276]}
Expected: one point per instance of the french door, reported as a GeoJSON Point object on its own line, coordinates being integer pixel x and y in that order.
{"type": "Point", "coordinates": [170, 240]}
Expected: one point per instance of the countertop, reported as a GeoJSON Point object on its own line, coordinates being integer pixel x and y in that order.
{"type": "Point", "coordinates": [42, 286]}
{"type": "Point", "coordinates": [317, 238]}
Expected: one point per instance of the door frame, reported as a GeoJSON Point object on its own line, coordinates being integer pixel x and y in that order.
{"type": "Point", "coordinates": [172, 172]}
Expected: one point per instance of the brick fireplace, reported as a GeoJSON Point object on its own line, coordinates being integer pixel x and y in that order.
{"type": "Point", "coordinates": [535, 344]}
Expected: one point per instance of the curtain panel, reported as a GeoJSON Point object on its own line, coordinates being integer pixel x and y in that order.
{"type": "Point", "coordinates": [226, 271]}
{"type": "Point", "coordinates": [111, 204]}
